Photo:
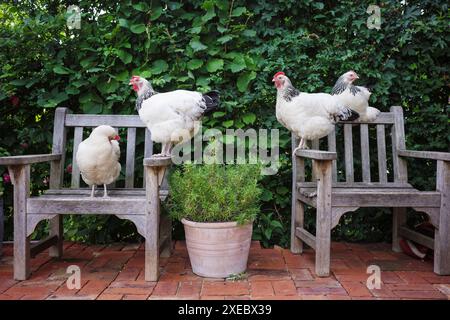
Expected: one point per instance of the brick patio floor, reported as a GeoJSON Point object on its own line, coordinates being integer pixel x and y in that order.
{"type": "Point", "coordinates": [116, 272]}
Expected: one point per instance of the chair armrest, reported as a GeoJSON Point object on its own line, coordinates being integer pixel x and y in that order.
{"type": "Point", "coordinates": [157, 161]}
{"type": "Point", "coordinates": [433, 155]}
{"type": "Point", "coordinates": [28, 159]}
{"type": "Point", "coordinates": [316, 154]}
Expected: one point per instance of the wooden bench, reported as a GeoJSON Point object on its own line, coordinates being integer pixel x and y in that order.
{"type": "Point", "coordinates": [332, 198]}
{"type": "Point", "coordinates": [139, 205]}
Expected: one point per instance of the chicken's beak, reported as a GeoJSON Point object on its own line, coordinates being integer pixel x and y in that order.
{"type": "Point", "coordinates": [356, 76]}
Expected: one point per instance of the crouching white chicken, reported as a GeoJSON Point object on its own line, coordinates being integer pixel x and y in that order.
{"type": "Point", "coordinates": [98, 158]}
{"type": "Point", "coordinates": [355, 97]}
{"type": "Point", "coordinates": [171, 116]}
{"type": "Point", "coordinates": [309, 115]}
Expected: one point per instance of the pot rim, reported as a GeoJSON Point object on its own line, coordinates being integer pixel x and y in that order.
{"type": "Point", "coordinates": [213, 225]}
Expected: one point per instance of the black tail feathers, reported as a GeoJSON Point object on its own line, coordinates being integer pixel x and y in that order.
{"type": "Point", "coordinates": [347, 115]}
{"type": "Point", "coordinates": [212, 100]}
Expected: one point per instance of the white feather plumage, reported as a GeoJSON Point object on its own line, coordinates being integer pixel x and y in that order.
{"type": "Point", "coordinates": [98, 157]}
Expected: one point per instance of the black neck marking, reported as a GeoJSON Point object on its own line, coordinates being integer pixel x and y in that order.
{"type": "Point", "coordinates": [144, 96]}
{"type": "Point", "coordinates": [290, 92]}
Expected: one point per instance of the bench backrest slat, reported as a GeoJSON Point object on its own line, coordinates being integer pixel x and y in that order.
{"type": "Point", "coordinates": [65, 120]}
{"type": "Point", "coordinates": [357, 155]}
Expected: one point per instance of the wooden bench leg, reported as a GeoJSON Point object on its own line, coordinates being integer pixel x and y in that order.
{"type": "Point", "coordinates": [323, 219]}
{"type": "Point", "coordinates": [166, 236]}
{"type": "Point", "coordinates": [297, 220]}
{"type": "Point", "coordinates": [56, 229]}
{"type": "Point", "coordinates": [152, 225]}
{"type": "Point", "coordinates": [442, 233]}
{"type": "Point", "coordinates": [21, 179]}
{"type": "Point", "coordinates": [399, 220]}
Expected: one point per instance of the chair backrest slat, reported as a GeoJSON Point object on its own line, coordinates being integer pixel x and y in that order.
{"type": "Point", "coordinates": [131, 150]}
{"type": "Point", "coordinates": [341, 141]}
{"type": "Point", "coordinates": [332, 147]}
{"type": "Point", "coordinates": [148, 149]}
{"type": "Point", "coordinates": [381, 150]}
{"type": "Point", "coordinates": [90, 120]}
{"type": "Point", "coordinates": [77, 138]}
{"type": "Point", "coordinates": [348, 146]}
{"type": "Point", "coordinates": [365, 156]}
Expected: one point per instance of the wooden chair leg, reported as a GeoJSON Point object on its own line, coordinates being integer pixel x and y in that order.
{"type": "Point", "coordinates": [442, 233]}
{"type": "Point", "coordinates": [21, 179]}
{"type": "Point", "coordinates": [152, 225]}
{"type": "Point", "coordinates": [323, 218]}
{"type": "Point", "coordinates": [399, 220]}
{"type": "Point", "coordinates": [166, 236]}
{"type": "Point", "coordinates": [56, 228]}
{"type": "Point", "coordinates": [297, 220]}
{"type": "Point", "coordinates": [323, 243]}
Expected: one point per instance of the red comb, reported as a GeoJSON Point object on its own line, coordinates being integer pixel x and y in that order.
{"type": "Point", "coordinates": [278, 74]}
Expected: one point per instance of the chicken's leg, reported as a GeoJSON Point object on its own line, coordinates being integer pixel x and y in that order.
{"type": "Point", "coordinates": [105, 192]}
{"type": "Point", "coordinates": [301, 145]}
{"type": "Point", "coordinates": [92, 190]}
{"type": "Point", "coordinates": [163, 151]}
{"type": "Point", "coordinates": [168, 150]}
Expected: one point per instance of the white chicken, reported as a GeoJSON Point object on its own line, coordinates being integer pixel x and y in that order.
{"type": "Point", "coordinates": [98, 158]}
{"type": "Point", "coordinates": [171, 116]}
{"type": "Point", "coordinates": [309, 115]}
{"type": "Point", "coordinates": [355, 97]}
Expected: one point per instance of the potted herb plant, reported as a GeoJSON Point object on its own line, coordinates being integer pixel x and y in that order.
{"type": "Point", "coordinates": [217, 205]}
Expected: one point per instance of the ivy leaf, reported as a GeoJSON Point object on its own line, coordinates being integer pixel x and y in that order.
{"type": "Point", "coordinates": [238, 11]}
{"type": "Point", "coordinates": [210, 13]}
{"type": "Point", "coordinates": [238, 64]}
{"type": "Point", "coordinates": [141, 6]}
{"type": "Point", "coordinates": [123, 23]}
{"type": "Point", "coordinates": [124, 56]}
{"type": "Point", "coordinates": [194, 64]}
{"type": "Point", "coordinates": [197, 45]}
{"type": "Point", "coordinates": [244, 80]}
{"type": "Point", "coordinates": [214, 64]}
{"type": "Point", "coordinates": [159, 66]}
{"type": "Point", "coordinates": [218, 114]}
{"type": "Point", "coordinates": [156, 13]}
{"type": "Point", "coordinates": [122, 76]}
{"type": "Point", "coordinates": [228, 123]}
{"type": "Point", "coordinates": [249, 33]}
{"type": "Point", "coordinates": [138, 28]}
{"type": "Point", "coordinates": [61, 70]}
{"type": "Point", "coordinates": [225, 39]}
{"type": "Point", "coordinates": [249, 118]}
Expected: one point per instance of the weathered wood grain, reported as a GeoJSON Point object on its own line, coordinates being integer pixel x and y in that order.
{"type": "Point", "coordinates": [77, 138]}
{"type": "Point", "coordinates": [29, 159]}
{"type": "Point", "coordinates": [20, 177]}
{"type": "Point", "coordinates": [348, 149]}
{"type": "Point", "coordinates": [365, 156]}
{"type": "Point", "coordinates": [442, 235]}
{"type": "Point", "coordinates": [433, 155]}
{"type": "Point", "coordinates": [381, 151]}
{"type": "Point", "coordinates": [323, 217]}
{"type": "Point", "coordinates": [131, 148]}
{"type": "Point", "coordinates": [91, 120]}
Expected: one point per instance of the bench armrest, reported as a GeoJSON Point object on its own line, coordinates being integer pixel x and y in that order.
{"type": "Point", "coordinates": [316, 154]}
{"type": "Point", "coordinates": [157, 162]}
{"type": "Point", "coordinates": [433, 155]}
{"type": "Point", "coordinates": [28, 159]}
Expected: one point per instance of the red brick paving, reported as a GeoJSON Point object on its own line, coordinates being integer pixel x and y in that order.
{"type": "Point", "coordinates": [115, 272]}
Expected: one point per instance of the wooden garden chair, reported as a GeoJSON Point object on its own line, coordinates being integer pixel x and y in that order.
{"type": "Point", "coordinates": [139, 205]}
{"type": "Point", "coordinates": [333, 198]}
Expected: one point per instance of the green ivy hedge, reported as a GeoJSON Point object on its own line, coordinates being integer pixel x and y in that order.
{"type": "Point", "coordinates": [234, 47]}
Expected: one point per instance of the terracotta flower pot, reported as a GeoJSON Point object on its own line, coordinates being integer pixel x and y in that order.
{"type": "Point", "coordinates": [218, 249]}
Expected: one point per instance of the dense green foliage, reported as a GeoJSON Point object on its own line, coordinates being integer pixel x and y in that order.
{"type": "Point", "coordinates": [215, 193]}
{"type": "Point", "coordinates": [232, 46]}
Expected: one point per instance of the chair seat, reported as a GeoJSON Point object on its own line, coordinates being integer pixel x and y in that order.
{"type": "Point", "coordinates": [372, 196]}
{"type": "Point", "coordinates": [78, 201]}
